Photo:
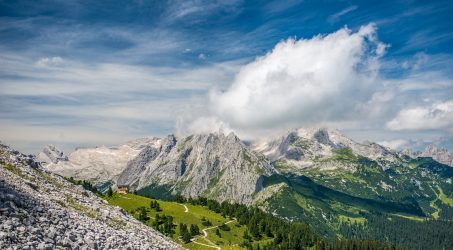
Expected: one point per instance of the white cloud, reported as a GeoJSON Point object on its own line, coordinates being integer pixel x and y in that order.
{"type": "Point", "coordinates": [98, 103]}
{"type": "Point", "coordinates": [302, 82]}
{"type": "Point", "coordinates": [202, 56]}
{"type": "Point", "coordinates": [328, 80]}
{"type": "Point", "coordinates": [204, 125]}
{"type": "Point", "coordinates": [50, 61]}
{"type": "Point", "coordinates": [199, 9]}
{"type": "Point", "coordinates": [333, 18]}
{"type": "Point", "coordinates": [436, 116]}
{"type": "Point", "coordinates": [395, 144]}
{"type": "Point", "coordinates": [417, 61]}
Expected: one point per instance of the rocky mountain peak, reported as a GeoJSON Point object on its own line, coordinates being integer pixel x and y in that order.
{"type": "Point", "coordinates": [233, 137]}
{"type": "Point", "coordinates": [303, 147]}
{"type": "Point", "coordinates": [441, 155]}
{"type": "Point", "coordinates": [169, 143]}
{"type": "Point", "coordinates": [212, 165]}
{"type": "Point", "coordinates": [51, 154]}
{"type": "Point", "coordinates": [99, 165]}
{"type": "Point", "coordinates": [433, 149]}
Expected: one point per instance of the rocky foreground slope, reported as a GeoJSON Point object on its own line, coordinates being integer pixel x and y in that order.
{"type": "Point", "coordinates": [40, 210]}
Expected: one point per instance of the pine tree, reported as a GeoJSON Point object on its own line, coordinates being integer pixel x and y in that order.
{"type": "Point", "coordinates": [246, 235]}
{"type": "Point", "coordinates": [110, 192]}
{"type": "Point", "coordinates": [194, 230]}
{"type": "Point", "coordinates": [142, 214]}
{"type": "Point", "coordinates": [157, 218]}
{"type": "Point", "coordinates": [157, 207]}
{"type": "Point", "coordinates": [184, 233]}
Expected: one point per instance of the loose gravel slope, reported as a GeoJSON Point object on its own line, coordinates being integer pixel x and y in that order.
{"type": "Point", "coordinates": [40, 210]}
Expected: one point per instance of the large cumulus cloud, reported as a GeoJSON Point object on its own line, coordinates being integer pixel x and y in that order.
{"type": "Point", "coordinates": [437, 116]}
{"type": "Point", "coordinates": [301, 82]}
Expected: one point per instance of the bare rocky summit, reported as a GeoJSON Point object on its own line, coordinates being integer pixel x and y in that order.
{"type": "Point", "coordinates": [97, 165]}
{"type": "Point", "coordinates": [41, 210]}
{"type": "Point", "coordinates": [441, 155]}
{"type": "Point", "coordinates": [51, 154]}
{"type": "Point", "coordinates": [212, 165]}
{"type": "Point", "coordinates": [317, 147]}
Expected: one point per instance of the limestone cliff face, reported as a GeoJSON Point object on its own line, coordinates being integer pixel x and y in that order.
{"type": "Point", "coordinates": [51, 154]}
{"type": "Point", "coordinates": [99, 164]}
{"type": "Point", "coordinates": [441, 155]}
{"type": "Point", "coordinates": [210, 165]}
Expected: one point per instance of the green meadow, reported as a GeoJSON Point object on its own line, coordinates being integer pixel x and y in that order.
{"type": "Point", "coordinates": [196, 215]}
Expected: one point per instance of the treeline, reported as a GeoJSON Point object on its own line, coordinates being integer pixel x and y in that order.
{"type": "Point", "coordinates": [446, 211]}
{"type": "Point", "coordinates": [260, 224]}
{"type": "Point", "coordinates": [284, 234]}
{"type": "Point", "coordinates": [85, 184]}
{"type": "Point", "coordinates": [186, 233]}
{"type": "Point", "coordinates": [162, 223]}
{"type": "Point", "coordinates": [428, 234]}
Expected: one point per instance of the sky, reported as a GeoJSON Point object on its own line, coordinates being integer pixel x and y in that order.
{"type": "Point", "coordinates": [79, 73]}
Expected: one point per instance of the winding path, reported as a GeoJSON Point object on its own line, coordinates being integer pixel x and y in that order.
{"type": "Point", "coordinates": [212, 246]}
{"type": "Point", "coordinates": [186, 210]}
{"type": "Point", "coordinates": [205, 235]}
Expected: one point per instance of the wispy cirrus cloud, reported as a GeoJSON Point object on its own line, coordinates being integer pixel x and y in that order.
{"type": "Point", "coordinates": [61, 102]}
{"type": "Point", "coordinates": [335, 17]}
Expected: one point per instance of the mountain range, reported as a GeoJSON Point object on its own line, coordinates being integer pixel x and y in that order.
{"type": "Point", "coordinates": [318, 176]}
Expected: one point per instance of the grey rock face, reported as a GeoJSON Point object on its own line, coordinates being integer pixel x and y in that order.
{"type": "Point", "coordinates": [304, 148]}
{"type": "Point", "coordinates": [441, 155]}
{"type": "Point", "coordinates": [322, 136]}
{"type": "Point", "coordinates": [212, 165]}
{"type": "Point", "coordinates": [137, 165]}
{"type": "Point", "coordinates": [55, 214]}
{"type": "Point", "coordinates": [51, 154]}
{"type": "Point", "coordinates": [100, 165]}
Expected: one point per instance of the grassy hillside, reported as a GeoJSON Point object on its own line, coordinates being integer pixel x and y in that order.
{"type": "Point", "coordinates": [195, 215]}
{"type": "Point", "coordinates": [368, 201]}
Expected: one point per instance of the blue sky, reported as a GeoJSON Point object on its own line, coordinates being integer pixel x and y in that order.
{"type": "Point", "coordinates": [74, 73]}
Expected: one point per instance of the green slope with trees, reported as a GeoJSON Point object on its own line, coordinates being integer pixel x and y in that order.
{"type": "Point", "coordinates": [207, 224]}
{"type": "Point", "coordinates": [369, 201]}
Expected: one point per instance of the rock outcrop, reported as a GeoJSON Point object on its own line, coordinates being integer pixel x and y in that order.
{"type": "Point", "coordinates": [51, 154]}
{"type": "Point", "coordinates": [210, 165]}
{"type": "Point", "coordinates": [98, 165]}
{"type": "Point", "coordinates": [41, 210]}
{"type": "Point", "coordinates": [441, 155]}
{"type": "Point", "coordinates": [303, 148]}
